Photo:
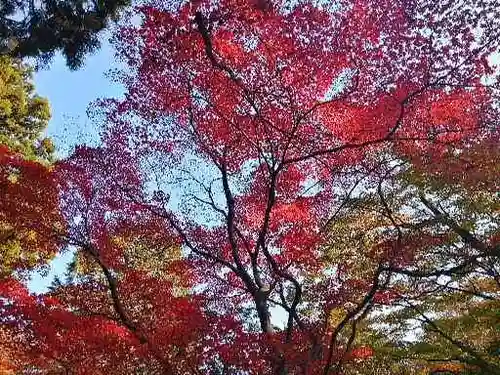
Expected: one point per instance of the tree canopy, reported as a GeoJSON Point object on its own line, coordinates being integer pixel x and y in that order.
{"type": "Point", "coordinates": [23, 114]}
{"type": "Point", "coordinates": [24, 117]}
{"type": "Point", "coordinates": [306, 188]}
{"type": "Point", "coordinates": [40, 29]}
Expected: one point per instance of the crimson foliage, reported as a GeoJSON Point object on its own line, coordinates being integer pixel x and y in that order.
{"type": "Point", "coordinates": [203, 223]}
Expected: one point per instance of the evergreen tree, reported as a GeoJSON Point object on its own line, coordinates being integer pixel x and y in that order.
{"type": "Point", "coordinates": [23, 114]}
{"type": "Point", "coordinates": [71, 27]}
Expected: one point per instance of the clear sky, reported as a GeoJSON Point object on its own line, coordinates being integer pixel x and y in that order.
{"type": "Point", "coordinates": [69, 94]}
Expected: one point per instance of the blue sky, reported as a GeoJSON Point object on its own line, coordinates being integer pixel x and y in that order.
{"type": "Point", "coordinates": [69, 94]}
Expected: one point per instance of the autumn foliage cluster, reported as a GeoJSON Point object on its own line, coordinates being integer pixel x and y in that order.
{"type": "Point", "coordinates": [285, 188]}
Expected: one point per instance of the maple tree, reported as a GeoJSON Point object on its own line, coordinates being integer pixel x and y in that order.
{"type": "Point", "coordinates": [29, 212]}
{"type": "Point", "coordinates": [24, 117]}
{"type": "Point", "coordinates": [268, 185]}
{"type": "Point", "coordinates": [445, 293]}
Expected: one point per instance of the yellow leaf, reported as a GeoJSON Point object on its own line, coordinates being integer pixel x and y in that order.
{"type": "Point", "coordinates": [336, 315]}
{"type": "Point", "coordinates": [13, 178]}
